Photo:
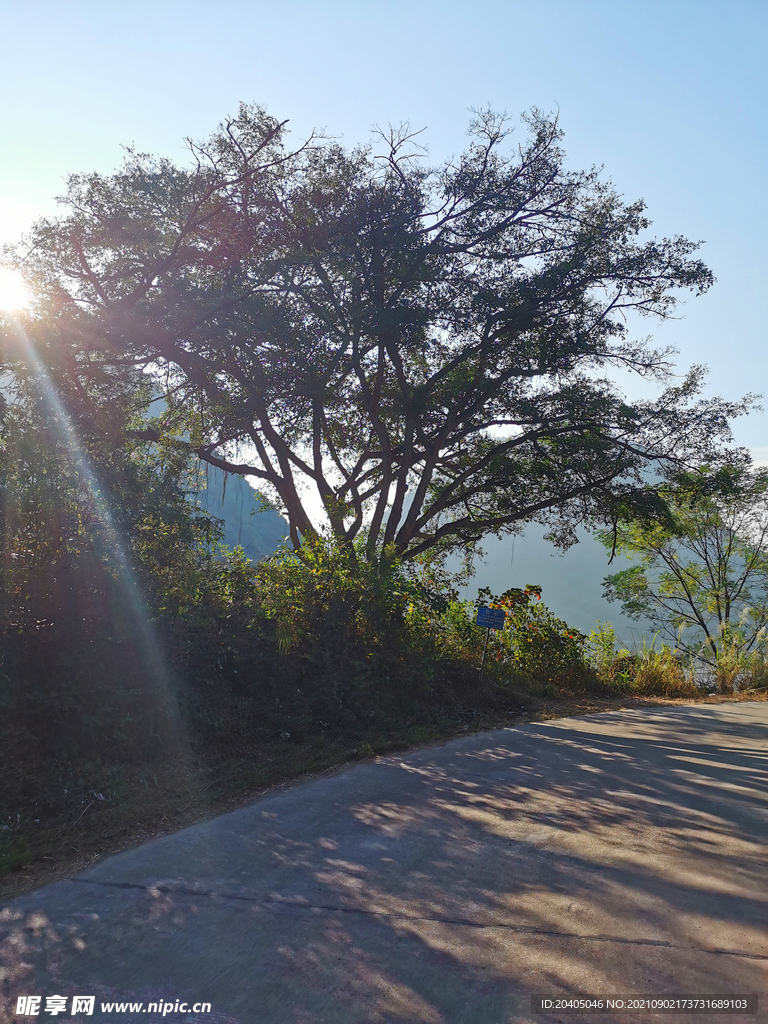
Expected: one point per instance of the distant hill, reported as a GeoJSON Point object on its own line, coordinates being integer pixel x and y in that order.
{"type": "Point", "coordinates": [257, 530]}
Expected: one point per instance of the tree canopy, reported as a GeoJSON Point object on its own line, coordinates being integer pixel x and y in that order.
{"type": "Point", "coordinates": [426, 348]}
{"type": "Point", "coordinates": [703, 580]}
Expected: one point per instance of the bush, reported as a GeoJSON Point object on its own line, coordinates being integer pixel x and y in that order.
{"type": "Point", "coordinates": [533, 645]}
{"type": "Point", "coordinates": [661, 674]}
{"type": "Point", "coordinates": [547, 648]}
{"type": "Point", "coordinates": [352, 634]}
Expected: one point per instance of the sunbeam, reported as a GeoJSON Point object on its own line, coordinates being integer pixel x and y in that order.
{"type": "Point", "coordinates": [131, 590]}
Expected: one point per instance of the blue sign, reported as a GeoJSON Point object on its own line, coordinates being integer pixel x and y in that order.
{"type": "Point", "coordinates": [491, 618]}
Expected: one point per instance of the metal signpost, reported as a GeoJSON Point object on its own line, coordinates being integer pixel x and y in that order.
{"type": "Point", "coordinates": [490, 618]}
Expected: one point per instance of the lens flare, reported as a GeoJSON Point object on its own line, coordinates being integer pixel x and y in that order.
{"type": "Point", "coordinates": [14, 294]}
{"type": "Point", "coordinates": [136, 604]}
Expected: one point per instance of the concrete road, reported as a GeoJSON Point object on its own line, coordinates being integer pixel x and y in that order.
{"type": "Point", "coordinates": [616, 854]}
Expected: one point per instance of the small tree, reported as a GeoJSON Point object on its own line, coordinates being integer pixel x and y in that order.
{"type": "Point", "coordinates": [702, 581]}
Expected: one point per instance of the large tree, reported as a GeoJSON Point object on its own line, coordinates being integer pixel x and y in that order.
{"type": "Point", "coordinates": [428, 348]}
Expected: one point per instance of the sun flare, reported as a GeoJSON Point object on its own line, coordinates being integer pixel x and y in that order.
{"type": "Point", "coordinates": [14, 294]}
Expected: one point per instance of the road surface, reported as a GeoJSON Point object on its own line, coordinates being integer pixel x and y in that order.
{"type": "Point", "coordinates": [620, 853]}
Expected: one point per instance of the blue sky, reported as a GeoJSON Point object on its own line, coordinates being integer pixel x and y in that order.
{"type": "Point", "coordinates": [669, 96]}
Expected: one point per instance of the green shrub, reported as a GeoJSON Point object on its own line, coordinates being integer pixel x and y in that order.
{"type": "Point", "coordinates": [534, 643]}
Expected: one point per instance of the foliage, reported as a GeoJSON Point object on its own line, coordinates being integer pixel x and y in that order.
{"type": "Point", "coordinates": [326, 583]}
{"type": "Point", "coordinates": [737, 669]}
{"type": "Point", "coordinates": [647, 671]}
{"type": "Point", "coordinates": [753, 673]}
{"type": "Point", "coordinates": [534, 642]}
{"type": "Point", "coordinates": [351, 625]}
{"type": "Point", "coordinates": [660, 673]}
{"type": "Point", "coordinates": [703, 580]}
{"type": "Point", "coordinates": [543, 646]}
{"type": "Point", "coordinates": [601, 648]}
{"type": "Point", "coordinates": [427, 348]}
{"type": "Point", "coordinates": [95, 543]}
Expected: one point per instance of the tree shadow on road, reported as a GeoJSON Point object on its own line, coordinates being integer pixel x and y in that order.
{"type": "Point", "coordinates": [613, 854]}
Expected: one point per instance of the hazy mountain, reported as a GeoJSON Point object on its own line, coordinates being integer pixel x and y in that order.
{"type": "Point", "coordinates": [231, 498]}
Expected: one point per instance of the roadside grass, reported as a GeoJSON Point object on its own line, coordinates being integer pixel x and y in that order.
{"type": "Point", "coordinates": [659, 670]}
{"type": "Point", "coordinates": [650, 673]}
